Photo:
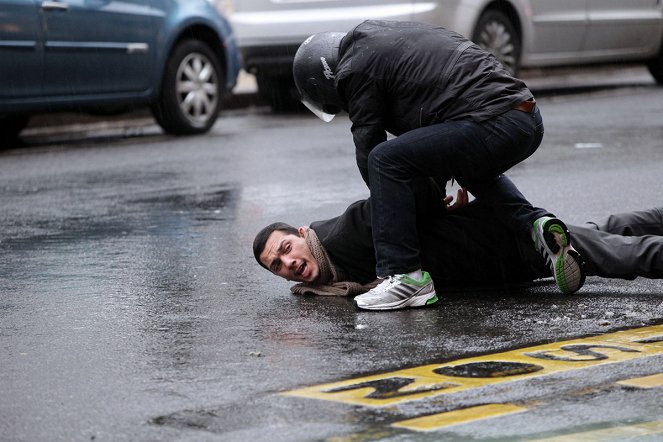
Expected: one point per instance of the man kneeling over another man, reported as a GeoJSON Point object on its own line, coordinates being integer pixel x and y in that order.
{"type": "Point", "coordinates": [461, 248]}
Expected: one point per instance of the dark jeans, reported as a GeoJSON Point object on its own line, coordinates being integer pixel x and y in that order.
{"type": "Point", "coordinates": [474, 154]}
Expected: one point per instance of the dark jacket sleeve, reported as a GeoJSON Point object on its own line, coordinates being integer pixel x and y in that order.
{"type": "Point", "coordinates": [365, 110]}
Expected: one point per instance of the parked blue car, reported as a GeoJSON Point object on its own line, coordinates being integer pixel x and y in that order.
{"type": "Point", "coordinates": [177, 56]}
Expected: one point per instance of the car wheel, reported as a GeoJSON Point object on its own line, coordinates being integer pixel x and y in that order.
{"type": "Point", "coordinates": [655, 67]}
{"type": "Point", "coordinates": [11, 126]}
{"type": "Point", "coordinates": [190, 98]}
{"type": "Point", "coordinates": [496, 33]}
{"type": "Point", "coordinates": [278, 91]}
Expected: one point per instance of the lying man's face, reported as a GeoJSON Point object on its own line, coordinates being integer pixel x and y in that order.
{"type": "Point", "coordinates": [289, 257]}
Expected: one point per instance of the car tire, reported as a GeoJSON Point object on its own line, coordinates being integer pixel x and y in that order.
{"type": "Point", "coordinates": [496, 33]}
{"type": "Point", "coordinates": [191, 91]}
{"type": "Point", "coordinates": [11, 126]}
{"type": "Point", "coordinates": [655, 67]}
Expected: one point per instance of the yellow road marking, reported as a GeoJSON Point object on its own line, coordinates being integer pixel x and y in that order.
{"type": "Point", "coordinates": [437, 379]}
{"type": "Point", "coordinates": [440, 420]}
{"type": "Point", "coordinates": [653, 381]}
{"type": "Point", "coordinates": [610, 434]}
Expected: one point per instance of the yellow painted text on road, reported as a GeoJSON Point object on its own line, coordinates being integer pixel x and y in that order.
{"type": "Point", "coordinates": [653, 381]}
{"type": "Point", "coordinates": [612, 434]}
{"type": "Point", "coordinates": [438, 379]}
{"type": "Point", "coordinates": [463, 416]}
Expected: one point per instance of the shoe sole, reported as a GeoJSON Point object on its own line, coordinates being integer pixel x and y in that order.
{"type": "Point", "coordinates": [568, 262]}
{"type": "Point", "coordinates": [569, 267]}
{"type": "Point", "coordinates": [422, 300]}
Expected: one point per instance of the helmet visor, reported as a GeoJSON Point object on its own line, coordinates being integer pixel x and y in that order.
{"type": "Point", "coordinates": [317, 110]}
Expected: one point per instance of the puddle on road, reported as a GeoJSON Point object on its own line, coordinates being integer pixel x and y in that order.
{"type": "Point", "coordinates": [214, 199]}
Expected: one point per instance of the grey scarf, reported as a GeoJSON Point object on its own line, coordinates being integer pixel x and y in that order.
{"type": "Point", "coordinates": [331, 281]}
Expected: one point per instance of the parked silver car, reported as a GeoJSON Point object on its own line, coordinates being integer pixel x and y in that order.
{"type": "Point", "coordinates": [522, 33]}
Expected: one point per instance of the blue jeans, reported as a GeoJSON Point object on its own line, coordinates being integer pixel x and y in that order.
{"type": "Point", "coordinates": [475, 154]}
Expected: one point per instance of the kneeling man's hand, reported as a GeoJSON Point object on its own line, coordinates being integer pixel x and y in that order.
{"type": "Point", "coordinates": [461, 200]}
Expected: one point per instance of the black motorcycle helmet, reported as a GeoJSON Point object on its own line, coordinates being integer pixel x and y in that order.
{"type": "Point", "coordinates": [314, 69]}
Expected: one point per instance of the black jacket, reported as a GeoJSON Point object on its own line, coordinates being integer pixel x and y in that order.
{"type": "Point", "coordinates": [399, 76]}
{"type": "Point", "coordinates": [467, 247]}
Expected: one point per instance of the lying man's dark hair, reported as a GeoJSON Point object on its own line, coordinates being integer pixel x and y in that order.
{"type": "Point", "coordinates": [262, 236]}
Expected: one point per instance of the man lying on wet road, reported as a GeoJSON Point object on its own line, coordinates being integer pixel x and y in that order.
{"type": "Point", "coordinates": [454, 111]}
{"type": "Point", "coordinates": [337, 257]}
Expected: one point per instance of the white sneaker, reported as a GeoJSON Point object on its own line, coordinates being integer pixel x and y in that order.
{"type": "Point", "coordinates": [397, 292]}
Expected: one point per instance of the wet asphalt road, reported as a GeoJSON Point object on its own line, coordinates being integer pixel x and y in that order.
{"type": "Point", "coordinates": [131, 307]}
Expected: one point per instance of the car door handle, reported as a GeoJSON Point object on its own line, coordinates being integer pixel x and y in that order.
{"type": "Point", "coordinates": [54, 6]}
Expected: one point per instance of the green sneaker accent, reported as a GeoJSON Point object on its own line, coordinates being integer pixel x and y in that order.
{"type": "Point", "coordinates": [560, 277]}
{"type": "Point", "coordinates": [425, 279]}
{"type": "Point", "coordinates": [432, 300]}
{"type": "Point", "coordinates": [556, 228]}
